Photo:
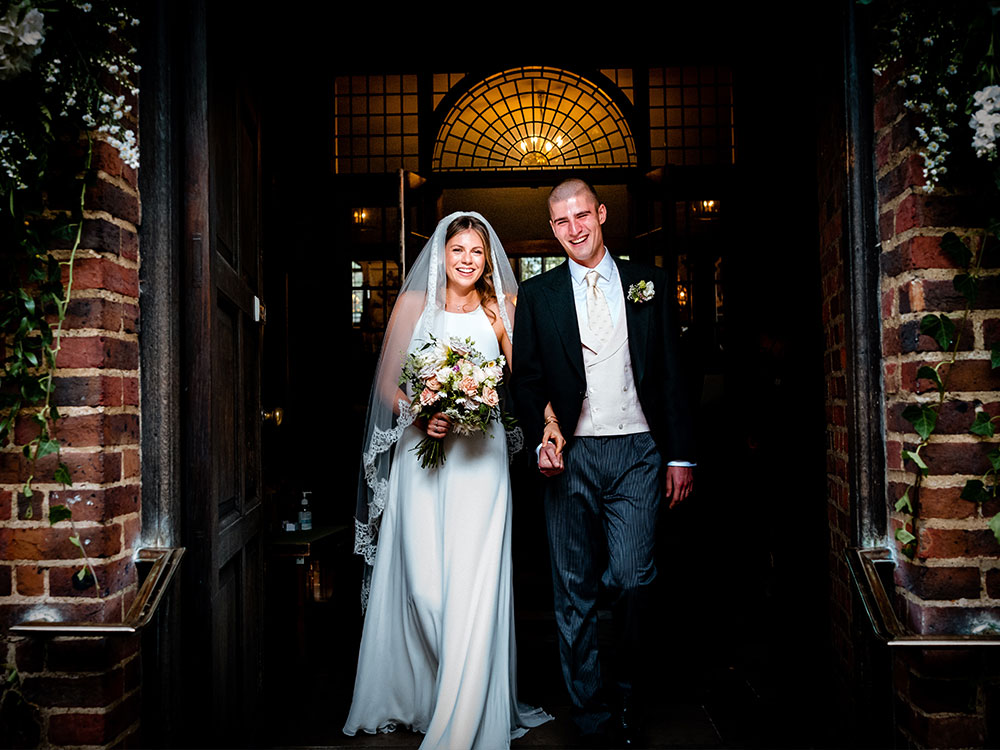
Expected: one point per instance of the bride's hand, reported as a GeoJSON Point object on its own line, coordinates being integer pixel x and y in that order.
{"type": "Point", "coordinates": [553, 434]}
{"type": "Point", "coordinates": [438, 425]}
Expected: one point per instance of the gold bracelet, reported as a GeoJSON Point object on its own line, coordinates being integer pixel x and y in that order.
{"type": "Point", "coordinates": [551, 419]}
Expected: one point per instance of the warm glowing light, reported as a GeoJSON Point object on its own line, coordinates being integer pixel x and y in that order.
{"type": "Point", "coordinates": [682, 295]}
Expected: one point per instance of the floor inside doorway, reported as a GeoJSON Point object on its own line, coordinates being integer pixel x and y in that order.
{"type": "Point", "coordinates": [711, 693]}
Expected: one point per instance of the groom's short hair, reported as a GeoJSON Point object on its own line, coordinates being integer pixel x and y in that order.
{"type": "Point", "coordinates": [570, 187]}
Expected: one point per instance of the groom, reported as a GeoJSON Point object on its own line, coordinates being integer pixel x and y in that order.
{"type": "Point", "coordinates": [603, 350]}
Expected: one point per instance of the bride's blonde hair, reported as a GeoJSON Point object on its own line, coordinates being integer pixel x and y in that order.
{"type": "Point", "coordinates": [484, 285]}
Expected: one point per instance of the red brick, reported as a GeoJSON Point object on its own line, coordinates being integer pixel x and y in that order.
{"type": "Point", "coordinates": [87, 610]}
{"type": "Point", "coordinates": [131, 465]}
{"type": "Point", "coordinates": [5, 504]}
{"type": "Point", "coordinates": [963, 375]}
{"type": "Point", "coordinates": [94, 312]}
{"type": "Point", "coordinates": [98, 390]}
{"type": "Point", "coordinates": [944, 502]}
{"type": "Point", "coordinates": [912, 340]}
{"type": "Point", "coordinates": [98, 351]}
{"type": "Point", "coordinates": [96, 468]}
{"type": "Point", "coordinates": [938, 583]}
{"type": "Point", "coordinates": [94, 728]}
{"type": "Point", "coordinates": [104, 273]}
{"type": "Point", "coordinates": [29, 508]}
{"type": "Point", "coordinates": [104, 237]}
{"type": "Point", "coordinates": [31, 580]}
{"type": "Point", "coordinates": [90, 654]}
{"type": "Point", "coordinates": [105, 158]}
{"type": "Point", "coordinates": [993, 583]}
{"type": "Point", "coordinates": [29, 654]}
{"type": "Point", "coordinates": [131, 531]}
{"type": "Point", "coordinates": [98, 504]}
{"type": "Point", "coordinates": [83, 691]}
{"type": "Point", "coordinates": [113, 577]}
{"type": "Point", "coordinates": [922, 210]}
{"type": "Point", "coordinates": [908, 173]}
{"type": "Point", "coordinates": [104, 196]}
{"type": "Point", "coordinates": [950, 543]}
{"type": "Point", "coordinates": [53, 543]}
{"type": "Point", "coordinates": [942, 295]}
{"type": "Point", "coordinates": [130, 318]}
{"type": "Point", "coordinates": [6, 580]}
{"type": "Point", "coordinates": [948, 620]}
{"type": "Point", "coordinates": [88, 430]}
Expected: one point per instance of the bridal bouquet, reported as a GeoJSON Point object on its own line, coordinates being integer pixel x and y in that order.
{"type": "Point", "coordinates": [456, 380]}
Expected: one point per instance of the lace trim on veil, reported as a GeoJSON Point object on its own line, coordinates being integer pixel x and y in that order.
{"type": "Point", "coordinates": [366, 534]}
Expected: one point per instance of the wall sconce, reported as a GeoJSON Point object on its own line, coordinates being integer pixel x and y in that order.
{"type": "Point", "coordinates": [360, 216]}
{"type": "Point", "coordinates": [705, 209]}
{"type": "Point", "coordinates": [682, 295]}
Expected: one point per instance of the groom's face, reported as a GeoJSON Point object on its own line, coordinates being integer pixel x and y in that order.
{"type": "Point", "coordinates": [576, 223]}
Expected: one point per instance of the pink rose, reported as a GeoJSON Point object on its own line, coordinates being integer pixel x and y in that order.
{"type": "Point", "coordinates": [433, 383]}
{"type": "Point", "coordinates": [428, 397]}
{"type": "Point", "coordinates": [490, 397]}
{"type": "Point", "coordinates": [469, 385]}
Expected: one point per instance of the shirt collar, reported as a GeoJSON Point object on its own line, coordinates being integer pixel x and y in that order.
{"type": "Point", "coordinates": [606, 268]}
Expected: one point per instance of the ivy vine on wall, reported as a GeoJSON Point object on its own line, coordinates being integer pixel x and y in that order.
{"type": "Point", "coordinates": [945, 60]}
{"type": "Point", "coordinates": [70, 67]}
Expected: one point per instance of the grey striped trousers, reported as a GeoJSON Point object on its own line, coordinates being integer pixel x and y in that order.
{"type": "Point", "coordinates": [600, 514]}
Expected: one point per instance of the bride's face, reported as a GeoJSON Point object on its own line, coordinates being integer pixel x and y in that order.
{"type": "Point", "coordinates": [464, 259]}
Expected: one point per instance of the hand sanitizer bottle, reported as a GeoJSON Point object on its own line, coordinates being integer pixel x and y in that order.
{"type": "Point", "coordinates": [305, 515]}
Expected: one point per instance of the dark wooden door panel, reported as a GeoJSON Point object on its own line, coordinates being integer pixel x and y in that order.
{"type": "Point", "coordinates": [223, 514]}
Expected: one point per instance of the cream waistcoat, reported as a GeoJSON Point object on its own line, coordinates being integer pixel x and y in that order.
{"type": "Point", "coordinates": [612, 404]}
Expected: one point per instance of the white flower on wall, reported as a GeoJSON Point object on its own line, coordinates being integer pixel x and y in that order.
{"type": "Point", "coordinates": [20, 40]}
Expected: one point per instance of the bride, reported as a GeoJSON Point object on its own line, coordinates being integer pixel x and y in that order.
{"type": "Point", "coordinates": [437, 650]}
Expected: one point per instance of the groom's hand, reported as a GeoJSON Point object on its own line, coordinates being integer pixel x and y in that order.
{"type": "Point", "coordinates": [680, 481]}
{"type": "Point", "coordinates": [550, 461]}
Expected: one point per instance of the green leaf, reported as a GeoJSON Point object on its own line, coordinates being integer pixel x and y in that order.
{"type": "Point", "coordinates": [904, 502]}
{"type": "Point", "coordinates": [940, 328]}
{"type": "Point", "coordinates": [47, 447]}
{"type": "Point", "coordinates": [976, 491]}
{"type": "Point", "coordinates": [915, 457]}
{"type": "Point", "coordinates": [904, 536]}
{"type": "Point", "coordinates": [995, 356]}
{"type": "Point", "coordinates": [62, 475]}
{"type": "Point", "coordinates": [994, 457]}
{"type": "Point", "coordinates": [994, 525]}
{"type": "Point", "coordinates": [26, 490]}
{"type": "Point", "coordinates": [982, 425]}
{"type": "Point", "coordinates": [75, 540]}
{"type": "Point", "coordinates": [931, 374]}
{"type": "Point", "coordinates": [967, 286]}
{"type": "Point", "coordinates": [957, 250]}
{"type": "Point", "coordinates": [81, 574]}
{"type": "Point", "coordinates": [59, 513]}
{"type": "Point", "coordinates": [922, 417]}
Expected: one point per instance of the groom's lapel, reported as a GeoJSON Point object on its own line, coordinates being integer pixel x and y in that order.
{"type": "Point", "coordinates": [637, 314]}
{"type": "Point", "coordinates": [562, 308]}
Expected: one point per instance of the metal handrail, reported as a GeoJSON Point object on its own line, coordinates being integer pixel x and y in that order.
{"type": "Point", "coordinates": [863, 564]}
{"type": "Point", "coordinates": [165, 561]}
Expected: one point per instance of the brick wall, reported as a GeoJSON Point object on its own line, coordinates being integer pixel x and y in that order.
{"type": "Point", "coordinates": [86, 689]}
{"type": "Point", "coordinates": [832, 188]}
{"type": "Point", "coordinates": [951, 584]}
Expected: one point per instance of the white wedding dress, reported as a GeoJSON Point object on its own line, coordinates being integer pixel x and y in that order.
{"type": "Point", "coordinates": [437, 650]}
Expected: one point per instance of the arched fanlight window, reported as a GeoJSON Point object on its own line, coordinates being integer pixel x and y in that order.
{"type": "Point", "coordinates": [533, 118]}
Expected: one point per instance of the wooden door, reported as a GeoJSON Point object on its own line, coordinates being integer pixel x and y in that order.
{"type": "Point", "coordinates": [222, 339]}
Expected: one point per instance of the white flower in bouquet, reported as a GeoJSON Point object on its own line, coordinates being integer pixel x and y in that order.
{"type": "Point", "coordinates": [20, 40]}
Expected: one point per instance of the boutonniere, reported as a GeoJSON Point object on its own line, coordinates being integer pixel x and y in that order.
{"type": "Point", "coordinates": [641, 291]}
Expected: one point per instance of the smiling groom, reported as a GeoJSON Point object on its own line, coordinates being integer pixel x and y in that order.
{"type": "Point", "coordinates": [596, 337]}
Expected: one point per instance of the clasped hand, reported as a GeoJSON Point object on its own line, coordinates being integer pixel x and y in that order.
{"type": "Point", "coordinates": [550, 459]}
{"type": "Point", "coordinates": [438, 425]}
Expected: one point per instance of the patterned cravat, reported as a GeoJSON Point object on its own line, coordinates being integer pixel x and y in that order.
{"type": "Point", "coordinates": [598, 314]}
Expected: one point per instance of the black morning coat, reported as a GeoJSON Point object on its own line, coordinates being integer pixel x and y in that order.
{"type": "Point", "coordinates": [548, 358]}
